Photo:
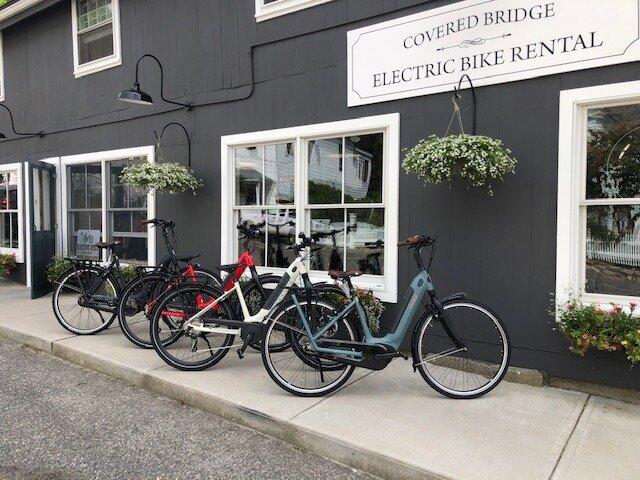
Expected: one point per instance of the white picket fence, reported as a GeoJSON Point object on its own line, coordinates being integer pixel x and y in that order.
{"type": "Point", "coordinates": [624, 252]}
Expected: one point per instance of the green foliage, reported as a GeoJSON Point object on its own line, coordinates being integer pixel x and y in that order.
{"type": "Point", "coordinates": [475, 158]}
{"type": "Point", "coordinates": [591, 326]}
{"type": "Point", "coordinates": [7, 263]}
{"type": "Point", "coordinates": [170, 178]}
{"type": "Point", "coordinates": [129, 272]}
{"type": "Point", "coordinates": [372, 306]}
{"type": "Point", "coordinates": [57, 267]}
{"type": "Point", "coordinates": [3, 2]}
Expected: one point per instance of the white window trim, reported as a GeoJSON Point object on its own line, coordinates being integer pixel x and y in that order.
{"type": "Point", "coordinates": [283, 7]}
{"type": "Point", "coordinates": [100, 64]}
{"type": "Point", "coordinates": [103, 157]}
{"type": "Point", "coordinates": [570, 254]}
{"type": "Point", "coordinates": [2, 76]}
{"type": "Point", "coordinates": [18, 252]}
{"type": "Point", "coordinates": [389, 124]}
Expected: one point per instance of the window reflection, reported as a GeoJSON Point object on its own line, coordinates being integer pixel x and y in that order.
{"type": "Point", "coordinates": [325, 171]}
{"type": "Point", "coordinates": [279, 174]}
{"type": "Point", "coordinates": [249, 182]}
{"type": "Point", "coordinates": [365, 240]}
{"type": "Point", "coordinates": [254, 245]}
{"type": "Point", "coordinates": [613, 152]}
{"type": "Point", "coordinates": [613, 250]}
{"type": "Point", "coordinates": [363, 169]}
{"type": "Point", "coordinates": [328, 230]}
{"type": "Point", "coordinates": [281, 233]}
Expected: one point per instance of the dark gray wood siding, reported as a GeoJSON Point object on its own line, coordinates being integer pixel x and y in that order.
{"type": "Point", "coordinates": [501, 250]}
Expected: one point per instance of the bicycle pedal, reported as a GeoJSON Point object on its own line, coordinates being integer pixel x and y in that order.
{"type": "Point", "coordinates": [240, 352]}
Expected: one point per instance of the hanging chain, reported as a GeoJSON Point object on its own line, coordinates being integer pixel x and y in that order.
{"type": "Point", "coordinates": [456, 114]}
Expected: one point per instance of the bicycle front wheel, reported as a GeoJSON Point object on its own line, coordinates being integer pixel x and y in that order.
{"type": "Point", "coordinates": [299, 369]}
{"type": "Point", "coordinates": [467, 372]}
{"type": "Point", "coordinates": [180, 345]}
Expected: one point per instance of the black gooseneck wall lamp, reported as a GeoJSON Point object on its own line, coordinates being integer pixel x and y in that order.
{"type": "Point", "coordinates": [13, 126]}
{"type": "Point", "coordinates": [137, 96]}
{"type": "Point", "coordinates": [159, 137]}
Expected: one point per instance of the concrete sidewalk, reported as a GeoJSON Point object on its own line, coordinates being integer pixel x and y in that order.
{"type": "Point", "coordinates": [388, 423]}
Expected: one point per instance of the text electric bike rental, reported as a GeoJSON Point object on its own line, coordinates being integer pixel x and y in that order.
{"type": "Point", "coordinates": [460, 347]}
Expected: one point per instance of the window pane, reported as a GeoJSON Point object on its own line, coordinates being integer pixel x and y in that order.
{"type": "Point", "coordinates": [14, 229]}
{"type": "Point", "coordinates": [121, 221]}
{"type": "Point", "coordinates": [95, 44]}
{"type": "Point", "coordinates": [325, 171]}
{"type": "Point", "coordinates": [613, 250]}
{"type": "Point", "coordinates": [4, 202]}
{"type": "Point", "coordinates": [7, 222]}
{"type": "Point", "coordinates": [613, 152]}
{"type": "Point", "coordinates": [78, 186]}
{"type": "Point", "coordinates": [365, 240]}
{"type": "Point", "coordinates": [248, 167]}
{"type": "Point", "coordinates": [363, 168]}
{"type": "Point", "coordinates": [92, 12]}
{"type": "Point", "coordinates": [256, 245]}
{"type": "Point", "coordinates": [132, 248]}
{"type": "Point", "coordinates": [12, 190]}
{"type": "Point", "coordinates": [280, 235]}
{"type": "Point", "coordinates": [138, 217]}
{"type": "Point", "coordinates": [279, 174]}
{"type": "Point", "coordinates": [327, 228]}
{"type": "Point", "coordinates": [89, 222]}
{"type": "Point", "coordinates": [94, 185]}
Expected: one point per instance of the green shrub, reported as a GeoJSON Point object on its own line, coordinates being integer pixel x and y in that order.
{"type": "Point", "coordinates": [57, 267]}
{"type": "Point", "coordinates": [7, 263]}
{"type": "Point", "coordinates": [169, 178]}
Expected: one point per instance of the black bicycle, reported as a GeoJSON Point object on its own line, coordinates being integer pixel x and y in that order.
{"type": "Point", "coordinates": [87, 296]}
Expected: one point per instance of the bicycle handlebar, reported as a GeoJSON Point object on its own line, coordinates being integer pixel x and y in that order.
{"type": "Point", "coordinates": [416, 240]}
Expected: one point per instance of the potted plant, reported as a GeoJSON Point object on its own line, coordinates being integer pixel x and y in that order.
{"type": "Point", "coordinates": [608, 328]}
{"type": "Point", "coordinates": [171, 178]}
{"type": "Point", "coordinates": [7, 264]}
{"type": "Point", "coordinates": [477, 159]}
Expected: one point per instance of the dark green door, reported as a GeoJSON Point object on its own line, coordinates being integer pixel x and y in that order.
{"type": "Point", "coordinates": [41, 178]}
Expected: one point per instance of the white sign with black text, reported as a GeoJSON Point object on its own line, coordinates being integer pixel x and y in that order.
{"type": "Point", "coordinates": [492, 41]}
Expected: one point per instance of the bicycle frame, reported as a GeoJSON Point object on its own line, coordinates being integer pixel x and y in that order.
{"type": "Point", "coordinates": [296, 270]}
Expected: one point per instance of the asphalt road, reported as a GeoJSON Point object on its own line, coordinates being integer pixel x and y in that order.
{"type": "Point", "coordinates": [60, 421]}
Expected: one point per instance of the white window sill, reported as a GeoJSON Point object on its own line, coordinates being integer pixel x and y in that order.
{"type": "Point", "coordinates": [369, 282]}
{"type": "Point", "coordinates": [97, 66]}
{"type": "Point", "coordinates": [283, 7]}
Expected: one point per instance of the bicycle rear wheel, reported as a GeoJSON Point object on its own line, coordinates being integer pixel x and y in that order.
{"type": "Point", "coordinates": [188, 349]}
{"type": "Point", "coordinates": [79, 319]}
{"type": "Point", "coordinates": [138, 300]}
{"type": "Point", "coordinates": [462, 373]}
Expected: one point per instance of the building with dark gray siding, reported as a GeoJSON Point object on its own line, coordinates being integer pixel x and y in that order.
{"type": "Point", "coordinates": [301, 111]}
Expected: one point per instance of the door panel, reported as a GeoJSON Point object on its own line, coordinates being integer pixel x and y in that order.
{"type": "Point", "coordinates": [41, 177]}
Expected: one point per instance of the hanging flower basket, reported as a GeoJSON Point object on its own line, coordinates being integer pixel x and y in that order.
{"type": "Point", "coordinates": [477, 159]}
{"type": "Point", "coordinates": [171, 178]}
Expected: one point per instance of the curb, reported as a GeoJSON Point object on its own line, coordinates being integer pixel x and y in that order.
{"type": "Point", "coordinates": [364, 460]}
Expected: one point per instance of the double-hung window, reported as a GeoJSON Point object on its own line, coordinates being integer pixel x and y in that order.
{"type": "Point", "coordinates": [266, 9]}
{"type": "Point", "coordinates": [336, 182]}
{"type": "Point", "coordinates": [11, 210]}
{"type": "Point", "coordinates": [98, 207]}
{"type": "Point", "coordinates": [599, 194]}
{"type": "Point", "coordinates": [96, 35]}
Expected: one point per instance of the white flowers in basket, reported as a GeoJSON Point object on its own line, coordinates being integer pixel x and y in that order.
{"type": "Point", "coordinates": [476, 158]}
{"type": "Point", "coordinates": [170, 178]}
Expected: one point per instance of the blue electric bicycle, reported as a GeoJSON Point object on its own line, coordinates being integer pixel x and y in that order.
{"type": "Point", "coordinates": [460, 347]}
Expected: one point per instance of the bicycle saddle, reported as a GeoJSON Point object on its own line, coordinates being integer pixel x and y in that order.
{"type": "Point", "coordinates": [188, 258]}
{"type": "Point", "coordinates": [336, 274]}
{"type": "Point", "coordinates": [115, 243]}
